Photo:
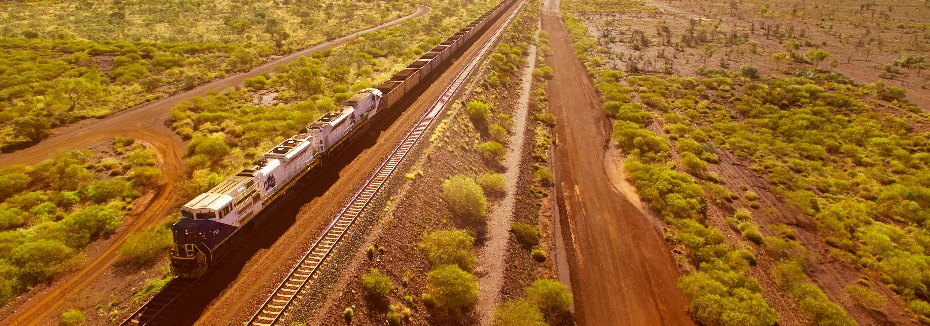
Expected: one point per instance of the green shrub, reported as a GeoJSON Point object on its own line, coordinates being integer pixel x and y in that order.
{"type": "Point", "coordinates": [813, 302]}
{"type": "Point", "coordinates": [751, 195]}
{"type": "Point", "coordinates": [89, 224]}
{"type": "Point", "coordinates": [866, 298]}
{"type": "Point", "coordinates": [452, 288]}
{"type": "Point", "coordinates": [11, 218]}
{"type": "Point", "coordinates": [492, 150]}
{"type": "Point", "coordinates": [38, 261]}
{"type": "Point", "coordinates": [465, 198]}
{"type": "Point", "coordinates": [144, 248]}
{"type": "Point", "coordinates": [693, 163]}
{"type": "Point", "coordinates": [743, 215]}
{"type": "Point", "coordinates": [544, 72]}
{"type": "Point", "coordinates": [143, 176]}
{"type": "Point", "coordinates": [526, 234]}
{"type": "Point", "coordinates": [549, 295]}
{"type": "Point", "coordinates": [518, 313]}
{"type": "Point", "coordinates": [492, 182]}
{"type": "Point", "coordinates": [538, 255]}
{"type": "Point", "coordinates": [546, 118]}
{"type": "Point", "coordinates": [393, 318]}
{"type": "Point", "coordinates": [377, 284]}
{"type": "Point", "coordinates": [256, 83]}
{"type": "Point", "coordinates": [107, 190]}
{"type": "Point", "coordinates": [348, 313]}
{"type": "Point", "coordinates": [544, 175]}
{"type": "Point", "coordinates": [750, 231]}
{"type": "Point", "coordinates": [72, 317]}
{"type": "Point", "coordinates": [720, 296]}
{"type": "Point", "coordinates": [498, 132]}
{"type": "Point", "coordinates": [428, 300]}
{"type": "Point", "coordinates": [478, 111]}
{"type": "Point", "coordinates": [449, 247]}
{"type": "Point", "coordinates": [749, 71]}
{"type": "Point", "coordinates": [13, 183]}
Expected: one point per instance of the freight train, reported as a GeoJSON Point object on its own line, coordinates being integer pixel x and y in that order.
{"type": "Point", "coordinates": [211, 220]}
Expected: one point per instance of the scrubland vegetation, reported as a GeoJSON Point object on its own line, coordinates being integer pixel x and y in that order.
{"type": "Point", "coordinates": [849, 156]}
{"type": "Point", "coordinates": [66, 61]}
{"type": "Point", "coordinates": [51, 211]}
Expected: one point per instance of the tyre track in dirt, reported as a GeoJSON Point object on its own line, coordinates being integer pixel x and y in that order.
{"type": "Point", "coordinates": [146, 123]}
{"type": "Point", "coordinates": [623, 271]}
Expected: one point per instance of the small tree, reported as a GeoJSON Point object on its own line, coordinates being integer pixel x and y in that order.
{"type": "Point", "coordinates": [550, 295]}
{"type": "Point", "coordinates": [478, 111]}
{"type": "Point", "coordinates": [492, 182]}
{"type": "Point", "coordinates": [452, 288]}
{"type": "Point", "coordinates": [518, 313]}
{"type": "Point", "coordinates": [449, 247]}
{"type": "Point", "coordinates": [816, 56]}
{"type": "Point", "coordinates": [377, 284]}
{"type": "Point", "coordinates": [779, 58]}
{"type": "Point", "coordinates": [465, 198]}
{"type": "Point", "coordinates": [526, 234]}
{"type": "Point", "coordinates": [493, 150]}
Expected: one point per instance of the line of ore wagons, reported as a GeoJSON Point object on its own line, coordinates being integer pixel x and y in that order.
{"type": "Point", "coordinates": [405, 80]}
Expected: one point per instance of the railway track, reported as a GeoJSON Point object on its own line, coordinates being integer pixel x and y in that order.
{"type": "Point", "coordinates": [306, 269]}
{"type": "Point", "coordinates": [156, 307]}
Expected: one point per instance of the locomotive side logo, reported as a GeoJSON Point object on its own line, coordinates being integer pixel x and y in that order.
{"type": "Point", "coordinates": [270, 182]}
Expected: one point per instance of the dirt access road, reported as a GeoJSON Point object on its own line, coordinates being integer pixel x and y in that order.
{"type": "Point", "coordinates": [623, 271]}
{"type": "Point", "coordinates": [147, 124]}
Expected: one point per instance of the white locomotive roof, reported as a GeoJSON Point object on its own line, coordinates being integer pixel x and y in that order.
{"type": "Point", "coordinates": [288, 149]}
{"type": "Point", "coordinates": [332, 118]}
{"type": "Point", "coordinates": [209, 200]}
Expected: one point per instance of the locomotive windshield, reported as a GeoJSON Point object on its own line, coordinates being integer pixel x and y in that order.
{"type": "Point", "coordinates": [187, 213]}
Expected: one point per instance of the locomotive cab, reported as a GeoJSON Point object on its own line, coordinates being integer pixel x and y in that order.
{"type": "Point", "coordinates": [200, 232]}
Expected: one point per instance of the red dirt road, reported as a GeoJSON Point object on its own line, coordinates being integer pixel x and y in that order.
{"type": "Point", "coordinates": [623, 271]}
{"type": "Point", "coordinates": [147, 124]}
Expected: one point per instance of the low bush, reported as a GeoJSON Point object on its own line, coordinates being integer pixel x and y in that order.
{"type": "Point", "coordinates": [544, 176]}
{"type": "Point", "coordinates": [866, 298]}
{"type": "Point", "coordinates": [73, 317]}
{"type": "Point", "coordinates": [348, 313]}
{"type": "Point", "coordinates": [89, 224]}
{"type": "Point", "coordinates": [550, 296]}
{"type": "Point", "coordinates": [493, 150]}
{"type": "Point", "coordinates": [478, 111]}
{"type": "Point", "coordinates": [144, 248]}
{"type": "Point", "coordinates": [465, 198]}
{"type": "Point", "coordinates": [526, 234]}
{"type": "Point", "coordinates": [750, 231]}
{"type": "Point", "coordinates": [492, 182]}
{"type": "Point", "coordinates": [722, 296]}
{"type": "Point", "coordinates": [449, 247]}
{"type": "Point", "coordinates": [538, 255]}
{"type": "Point", "coordinates": [498, 133]}
{"type": "Point", "coordinates": [393, 318]}
{"type": "Point", "coordinates": [518, 313]}
{"type": "Point", "coordinates": [376, 284]}
{"type": "Point", "coordinates": [452, 288]}
{"type": "Point", "coordinates": [38, 261]}
{"type": "Point", "coordinates": [813, 302]}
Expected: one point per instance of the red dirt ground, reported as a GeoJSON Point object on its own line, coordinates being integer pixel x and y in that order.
{"type": "Point", "coordinates": [623, 271]}
{"type": "Point", "coordinates": [147, 124]}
